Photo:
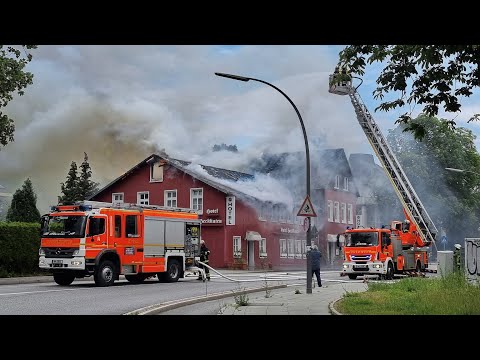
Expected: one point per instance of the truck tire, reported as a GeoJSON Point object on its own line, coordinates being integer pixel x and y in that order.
{"type": "Point", "coordinates": [105, 274]}
{"type": "Point", "coordinates": [135, 279]}
{"type": "Point", "coordinates": [161, 277]}
{"type": "Point", "coordinates": [173, 271]}
{"type": "Point", "coordinates": [352, 276]}
{"type": "Point", "coordinates": [63, 279]}
{"type": "Point", "coordinates": [390, 271]}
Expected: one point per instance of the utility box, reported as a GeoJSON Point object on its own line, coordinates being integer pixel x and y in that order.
{"type": "Point", "coordinates": [444, 262]}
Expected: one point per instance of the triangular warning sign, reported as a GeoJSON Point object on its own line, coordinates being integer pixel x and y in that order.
{"type": "Point", "coordinates": [307, 208]}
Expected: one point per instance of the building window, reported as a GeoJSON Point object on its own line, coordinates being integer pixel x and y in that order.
{"type": "Point", "coordinates": [343, 213]}
{"type": "Point", "coordinates": [170, 198]}
{"type": "Point", "coordinates": [283, 248]}
{"type": "Point", "coordinates": [304, 249]}
{"type": "Point", "coordinates": [142, 197]}
{"type": "Point", "coordinates": [262, 213]}
{"type": "Point", "coordinates": [282, 215]}
{"type": "Point", "coordinates": [156, 172]}
{"type": "Point", "coordinates": [263, 247]}
{"type": "Point", "coordinates": [275, 213]}
{"type": "Point", "coordinates": [345, 183]}
{"type": "Point", "coordinates": [131, 226]}
{"type": "Point", "coordinates": [196, 200]}
{"type": "Point", "coordinates": [291, 248]}
{"type": "Point", "coordinates": [350, 213]}
{"type": "Point", "coordinates": [117, 198]}
{"type": "Point", "coordinates": [336, 212]}
{"type": "Point", "coordinates": [330, 210]}
{"type": "Point", "coordinates": [237, 246]}
{"type": "Point", "coordinates": [337, 182]}
{"type": "Point", "coordinates": [298, 249]}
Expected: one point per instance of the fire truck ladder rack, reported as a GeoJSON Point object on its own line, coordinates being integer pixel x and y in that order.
{"type": "Point", "coordinates": [341, 84]}
{"type": "Point", "coordinates": [100, 204]}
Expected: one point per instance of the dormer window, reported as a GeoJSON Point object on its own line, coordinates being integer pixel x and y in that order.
{"type": "Point", "coordinates": [156, 171]}
{"type": "Point", "coordinates": [337, 182]}
{"type": "Point", "coordinates": [345, 183]}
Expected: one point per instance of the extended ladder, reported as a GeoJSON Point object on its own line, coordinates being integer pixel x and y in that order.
{"type": "Point", "coordinates": [341, 84]}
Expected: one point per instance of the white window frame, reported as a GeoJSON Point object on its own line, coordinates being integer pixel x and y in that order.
{"type": "Point", "coordinates": [337, 182]}
{"type": "Point", "coordinates": [262, 213]}
{"type": "Point", "coordinates": [143, 201]}
{"type": "Point", "coordinates": [283, 248]}
{"type": "Point", "coordinates": [237, 246]}
{"type": "Point", "coordinates": [291, 248]}
{"type": "Point", "coordinates": [345, 183]}
{"type": "Point", "coordinates": [298, 249]}
{"type": "Point", "coordinates": [262, 246]}
{"type": "Point", "coordinates": [198, 207]}
{"type": "Point", "coordinates": [166, 199]}
{"type": "Point", "coordinates": [118, 201]}
{"type": "Point", "coordinates": [152, 179]}
{"type": "Point", "coordinates": [336, 212]}
{"type": "Point", "coordinates": [350, 213]}
{"type": "Point", "coordinates": [330, 210]}
{"type": "Point", "coordinates": [343, 213]}
{"type": "Point", "coordinates": [304, 249]}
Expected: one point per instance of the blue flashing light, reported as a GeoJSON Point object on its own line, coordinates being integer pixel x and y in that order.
{"type": "Point", "coordinates": [85, 207]}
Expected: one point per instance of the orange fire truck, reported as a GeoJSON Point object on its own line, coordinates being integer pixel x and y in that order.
{"type": "Point", "coordinates": [384, 252]}
{"type": "Point", "coordinates": [107, 240]}
{"type": "Point", "coordinates": [404, 246]}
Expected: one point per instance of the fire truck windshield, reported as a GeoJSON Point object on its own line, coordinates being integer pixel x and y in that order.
{"type": "Point", "coordinates": [362, 239]}
{"type": "Point", "coordinates": [64, 226]}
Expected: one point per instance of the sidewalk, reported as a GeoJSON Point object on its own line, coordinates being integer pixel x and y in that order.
{"type": "Point", "coordinates": [286, 302]}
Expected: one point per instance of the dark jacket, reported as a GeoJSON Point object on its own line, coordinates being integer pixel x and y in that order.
{"type": "Point", "coordinates": [204, 252]}
{"type": "Point", "coordinates": [315, 256]}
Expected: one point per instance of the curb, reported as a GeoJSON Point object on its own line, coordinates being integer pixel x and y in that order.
{"type": "Point", "coordinates": [331, 307]}
{"type": "Point", "coordinates": [170, 305]}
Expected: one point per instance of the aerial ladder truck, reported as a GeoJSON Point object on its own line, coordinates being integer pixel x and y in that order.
{"type": "Point", "coordinates": [404, 247]}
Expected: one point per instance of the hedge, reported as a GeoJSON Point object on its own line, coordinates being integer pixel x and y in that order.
{"type": "Point", "coordinates": [19, 244]}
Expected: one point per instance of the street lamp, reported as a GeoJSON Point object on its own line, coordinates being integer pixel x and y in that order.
{"type": "Point", "coordinates": [307, 156]}
{"type": "Point", "coordinates": [462, 171]}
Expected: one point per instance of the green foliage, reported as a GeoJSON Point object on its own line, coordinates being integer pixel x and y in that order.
{"type": "Point", "coordinates": [19, 244]}
{"type": "Point", "coordinates": [86, 187]}
{"type": "Point", "coordinates": [241, 297]}
{"type": "Point", "coordinates": [435, 76]}
{"type": "Point", "coordinates": [24, 205]}
{"type": "Point", "coordinates": [78, 188]}
{"type": "Point", "coordinates": [451, 295]}
{"type": "Point", "coordinates": [13, 79]}
{"type": "Point", "coordinates": [452, 199]}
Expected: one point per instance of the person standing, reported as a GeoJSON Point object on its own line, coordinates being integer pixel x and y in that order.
{"type": "Point", "coordinates": [315, 256]}
{"type": "Point", "coordinates": [204, 253]}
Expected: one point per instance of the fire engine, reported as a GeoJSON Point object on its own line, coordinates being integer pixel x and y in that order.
{"type": "Point", "coordinates": [381, 251]}
{"type": "Point", "coordinates": [105, 240]}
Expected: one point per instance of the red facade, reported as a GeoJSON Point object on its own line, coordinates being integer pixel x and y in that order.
{"type": "Point", "coordinates": [285, 240]}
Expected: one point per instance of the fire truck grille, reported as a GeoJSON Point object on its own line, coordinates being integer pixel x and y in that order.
{"type": "Point", "coordinates": [361, 257]}
{"type": "Point", "coordinates": [59, 252]}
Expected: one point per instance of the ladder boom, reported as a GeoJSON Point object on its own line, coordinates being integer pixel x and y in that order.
{"type": "Point", "coordinates": [341, 84]}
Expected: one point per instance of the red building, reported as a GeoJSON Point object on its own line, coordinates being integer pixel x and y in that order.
{"type": "Point", "coordinates": [240, 230]}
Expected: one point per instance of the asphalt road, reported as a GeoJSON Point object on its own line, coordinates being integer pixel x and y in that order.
{"type": "Point", "coordinates": [84, 298]}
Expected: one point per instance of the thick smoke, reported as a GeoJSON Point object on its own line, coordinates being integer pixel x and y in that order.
{"type": "Point", "coordinates": [119, 104]}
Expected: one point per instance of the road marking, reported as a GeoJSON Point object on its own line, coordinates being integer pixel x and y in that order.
{"type": "Point", "coordinates": [39, 291]}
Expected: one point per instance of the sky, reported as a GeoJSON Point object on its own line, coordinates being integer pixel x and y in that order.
{"type": "Point", "coordinates": [120, 104]}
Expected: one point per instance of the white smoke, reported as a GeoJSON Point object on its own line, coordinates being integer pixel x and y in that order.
{"type": "Point", "coordinates": [119, 104]}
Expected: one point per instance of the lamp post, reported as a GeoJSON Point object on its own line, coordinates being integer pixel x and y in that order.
{"type": "Point", "coordinates": [307, 156]}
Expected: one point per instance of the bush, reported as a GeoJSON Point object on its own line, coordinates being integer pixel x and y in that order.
{"type": "Point", "coordinates": [19, 244]}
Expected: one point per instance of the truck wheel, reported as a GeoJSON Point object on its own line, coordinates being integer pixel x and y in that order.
{"type": "Point", "coordinates": [105, 274]}
{"type": "Point", "coordinates": [63, 279]}
{"type": "Point", "coordinates": [135, 279]}
{"type": "Point", "coordinates": [390, 271]}
{"type": "Point", "coordinates": [173, 271]}
{"type": "Point", "coordinates": [161, 277]}
{"type": "Point", "coordinates": [352, 276]}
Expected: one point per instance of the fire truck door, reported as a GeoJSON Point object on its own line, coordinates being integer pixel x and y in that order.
{"type": "Point", "coordinates": [96, 234]}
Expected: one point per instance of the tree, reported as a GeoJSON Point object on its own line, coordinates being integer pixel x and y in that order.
{"type": "Point", "coordinates": [431, 75]}
{"type": "Point", "coordinates": [24, 205]}
{"type": "Point", "coordinates": [86, 187]}
{"type": "Point", "coordinates": [78, 188]}
{"type": "Point", "coordinates": [12, 78]}
{"type": "Point", "coordinates": [223, 146]}
{"type": "Point", "coordinates": [451, 199]}
{"type": "Point", "coordinates": [70, 187]}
